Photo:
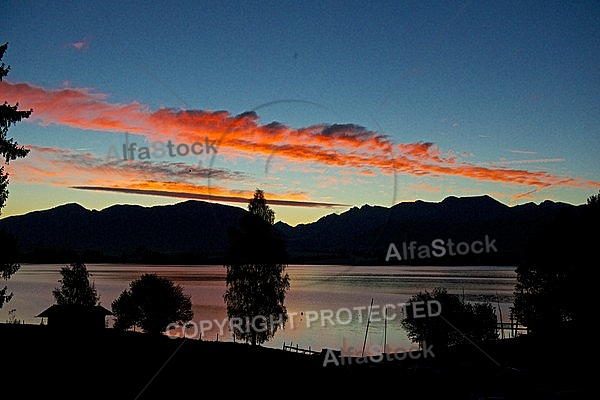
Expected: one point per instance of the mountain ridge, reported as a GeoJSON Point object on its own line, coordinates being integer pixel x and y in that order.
{"type": "Point", "coordinates": [195, 231]}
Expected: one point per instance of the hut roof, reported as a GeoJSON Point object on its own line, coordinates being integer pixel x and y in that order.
{"type": "Point", "coordinates": [61, 309]}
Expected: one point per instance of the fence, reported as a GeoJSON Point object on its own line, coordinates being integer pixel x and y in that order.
{"type": "Point", "coordinates": [298, 349]}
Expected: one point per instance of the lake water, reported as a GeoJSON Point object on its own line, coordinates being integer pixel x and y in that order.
{"type": "Point", "coordinates": [328, 304]}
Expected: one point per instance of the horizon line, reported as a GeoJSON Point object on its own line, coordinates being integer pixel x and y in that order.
{"type": "Point", "coordinates": [232, 199]}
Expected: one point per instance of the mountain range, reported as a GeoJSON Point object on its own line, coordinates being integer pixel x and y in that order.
{"type": "Point", "coordinates": [476, 230]}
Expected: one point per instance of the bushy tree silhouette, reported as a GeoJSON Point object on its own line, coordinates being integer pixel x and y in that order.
{"type": "Point", "coordinates": [151, 303]}
{"type": "Point", "coordinates": [256, 279]}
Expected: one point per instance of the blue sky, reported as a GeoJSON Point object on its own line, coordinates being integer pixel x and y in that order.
{"type": "Point", "coordinates": [328, 104]}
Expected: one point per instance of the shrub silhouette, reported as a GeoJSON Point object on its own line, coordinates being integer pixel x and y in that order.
{"type": "Point", "coordinates": [151, 303]}
{"type": "Point", "coordinates": [448, 320]}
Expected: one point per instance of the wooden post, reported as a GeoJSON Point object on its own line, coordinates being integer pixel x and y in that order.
{"type": "Point", "coordinates": [512, 332]}
{"type": "Point", "coordinates": [384, 329]}
{"type": "Point", "coordinates": [367, 330]}
{"type": "Point", "coordinates": [501, 322]}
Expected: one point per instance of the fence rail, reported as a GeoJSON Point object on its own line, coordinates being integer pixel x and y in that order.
{"type": "Point", "coordinates": [298, 349]}
{"type": "Point", "coordinates": [511, 328]}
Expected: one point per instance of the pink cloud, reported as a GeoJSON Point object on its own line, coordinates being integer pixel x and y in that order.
{"type": "Point", "coordinates": [346, 146]}
{"type": "Point", "coordinates": [80, 45]}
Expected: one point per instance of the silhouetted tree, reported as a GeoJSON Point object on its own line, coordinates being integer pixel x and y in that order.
{"type": "Point", "coordinates": [258, 206]}
{"type": "Point", "coordinates": [481, 322]}
{"type": "Point", "coordinates": [256, 279]}
{"type": "Point", "coordinates": [8, 263]}
{"type": "Point", "coordinates": [553, 294]}
{"type": "Point", "coordinates": [441, 319]}
{"type": "Point", "coordinates": [75, 287]}
{"type": "Point", "coordinates": [9, 150]}
{"type": "Point", "coordinates": [594, 201]}
{"type": "Point", "coordinates": [151, 303]}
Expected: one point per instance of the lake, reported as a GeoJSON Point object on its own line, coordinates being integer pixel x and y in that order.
{"type": "Point", "coordinates": [328, 304]}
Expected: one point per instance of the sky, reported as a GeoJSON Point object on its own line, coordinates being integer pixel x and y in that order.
{"type": "Point", "coordinates": [324, 106]}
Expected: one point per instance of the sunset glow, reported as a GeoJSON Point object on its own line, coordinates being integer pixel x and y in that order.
{"type": "Point", "coordinates": [128, 136]}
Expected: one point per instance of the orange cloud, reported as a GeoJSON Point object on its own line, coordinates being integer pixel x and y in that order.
{"type": "Point", "coordinates": [425, 159]}
{"type": "Point", "coordinates": [347, 146]}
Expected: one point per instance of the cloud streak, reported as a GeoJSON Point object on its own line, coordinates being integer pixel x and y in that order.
{"type": "Point", "coordinates": [530, 161]}
{"type": "Point", "coordinates": [210, 197]}
{"type": "Point", "coordinates": [84, 171]}
{"type": "Point", "coordinates": [523, 152]}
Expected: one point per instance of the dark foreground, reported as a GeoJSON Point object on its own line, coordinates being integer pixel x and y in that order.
{"type": "Point", "coordinates": [37, 363]}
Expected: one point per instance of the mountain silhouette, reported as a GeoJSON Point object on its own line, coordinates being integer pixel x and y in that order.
{"type": "Point", "coordinates": [363, 235]}
{"type": "Point", "coordinates": [195, 232]}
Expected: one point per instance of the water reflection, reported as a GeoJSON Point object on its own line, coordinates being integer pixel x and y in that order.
{"type": "Point", "coordinates": [318, 289]}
